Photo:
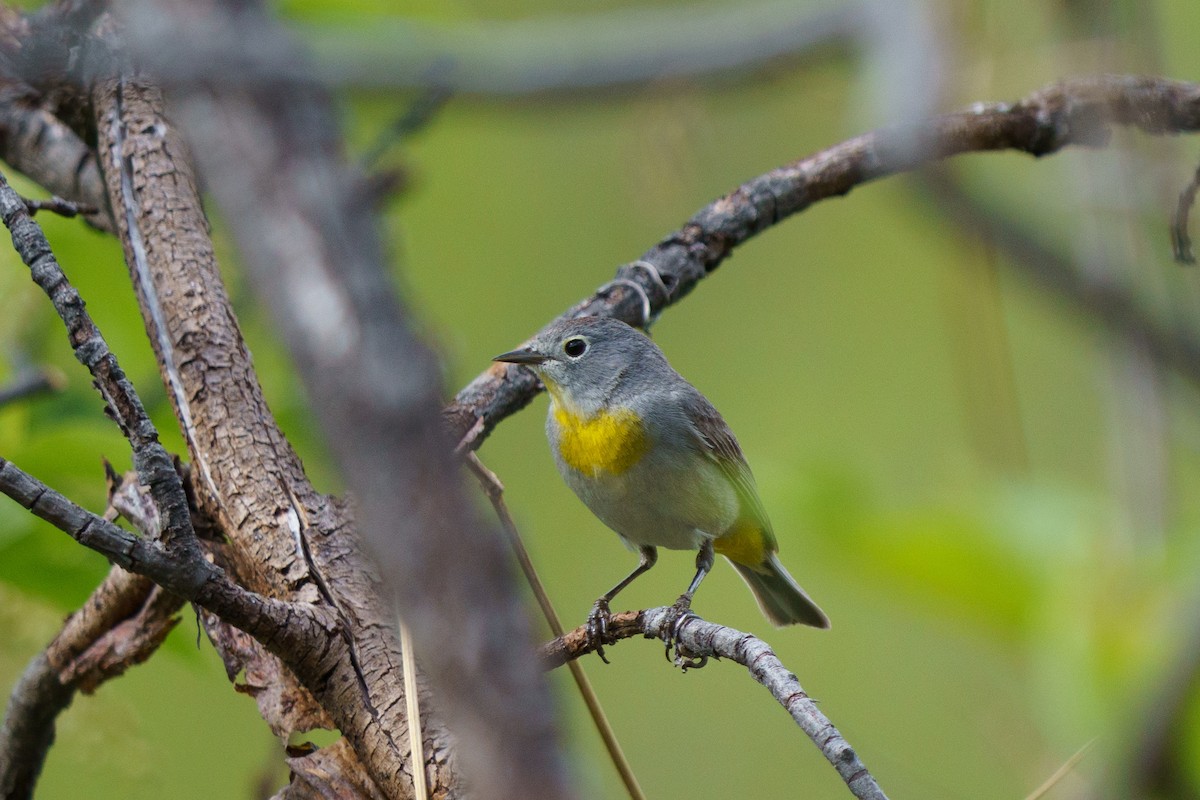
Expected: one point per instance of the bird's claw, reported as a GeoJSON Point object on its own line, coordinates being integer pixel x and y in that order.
{"type": "Point", "coordinates": [597, 627]}
{"type": "Point", "coordinates": [678, 616]}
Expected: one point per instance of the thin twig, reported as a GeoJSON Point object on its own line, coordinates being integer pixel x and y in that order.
{"type": "Point", "coordinates": [57, 205]}
{"type": "Point", "coordinates": [1181, 242]}
{"type": "Point", "coordinates": [494, 489]}
{"type": "Point", "coordinates": [415, 118]}
{"type": "Point", "coordinates": [700, 640]}
{"type": "Point", "coordinates": [1060, 773]}
{"type": "Point", "coordinates": [412, 702]}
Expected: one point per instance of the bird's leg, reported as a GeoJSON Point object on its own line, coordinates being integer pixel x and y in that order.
{"type": "Point", "coordinates": [678, 614]}
{"type": "Point", "coordinates": [597, 621]}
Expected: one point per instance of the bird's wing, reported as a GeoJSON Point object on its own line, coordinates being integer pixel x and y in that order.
{"type": "Point", "coordinates": [716, 440]}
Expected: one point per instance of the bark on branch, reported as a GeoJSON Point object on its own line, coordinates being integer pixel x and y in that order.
{"type": "Point", "coordinates": [1078, 112]}
{"type": "Point", "coordinates": [286, 540]}
{"type": "Point", "coordinates": [273, 159]}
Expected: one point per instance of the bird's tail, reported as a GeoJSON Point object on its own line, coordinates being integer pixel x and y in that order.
{"type": "Point", "coordinates": [781, 599]}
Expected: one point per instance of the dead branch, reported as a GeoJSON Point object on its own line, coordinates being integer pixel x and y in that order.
{"type": "Point", "coordinates": [121, 624]}
{"type": "Point", "coordinates": [286, 626]}
{"type": "Point", "coordinates": [285, 539]}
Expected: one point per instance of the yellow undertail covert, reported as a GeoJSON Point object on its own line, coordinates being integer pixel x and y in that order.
{"type": "Point", "coordinates": [744, 543]}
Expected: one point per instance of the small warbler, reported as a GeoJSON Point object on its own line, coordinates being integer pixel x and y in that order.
{"type": "Point", "coordinates": [652, 458]}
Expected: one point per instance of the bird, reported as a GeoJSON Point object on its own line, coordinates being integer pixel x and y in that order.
{"type": "Point", "coordinates": [654, 460]}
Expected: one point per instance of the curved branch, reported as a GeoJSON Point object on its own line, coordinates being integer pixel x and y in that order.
{"type": "Point", "coordinates": [27, 731]}
{"type": "Point", "coordinates": [700, 639]}
{"type": "Point", "coordinates": [1077, 112]}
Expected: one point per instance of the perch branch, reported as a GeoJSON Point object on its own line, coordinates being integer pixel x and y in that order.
{"type": "Point", "coordinates": [702, 639]}
{"type": "Point", "coordinates": [1078, 112]}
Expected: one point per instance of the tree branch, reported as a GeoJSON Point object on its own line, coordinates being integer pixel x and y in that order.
{"type": "Point", "coordinates": [28, 728]}
{"type": "Point", "coordinates": [286, 626]}
{"type": "Point", "coordinates": [1076, 112]}
{"type": "Point", "coordinates": [121, 624]}
{"type": "Point", "coordinates": [504, 58]}
{"type": "Point", "coordinates": [155, 468]}
{"type": "Point", "coordinates": [301, 636]}
{"type": "Point", "coordinates": [702, 640]}
{"type": "Point", "coordinates": [39, 145]}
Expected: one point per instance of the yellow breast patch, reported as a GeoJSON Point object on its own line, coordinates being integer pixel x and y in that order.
{"type": "Point", "coordinates": [608, 442]}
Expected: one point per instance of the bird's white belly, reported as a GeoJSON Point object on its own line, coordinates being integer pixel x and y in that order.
{"type": "Point", "coordinates": [658, 504]}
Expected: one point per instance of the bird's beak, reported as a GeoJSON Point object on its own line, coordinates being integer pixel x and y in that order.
{"type": "Point", "coordinates": [523, 356]}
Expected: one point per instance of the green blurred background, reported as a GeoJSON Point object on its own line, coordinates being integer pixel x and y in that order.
{"type": "Point", "coordinates": [990, 496]}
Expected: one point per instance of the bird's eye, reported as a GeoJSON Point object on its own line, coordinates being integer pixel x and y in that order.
{"type": "Point", "coordinates": [575, 346]}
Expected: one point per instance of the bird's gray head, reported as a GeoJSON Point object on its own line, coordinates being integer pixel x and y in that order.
{"type": "Point", "coordinates": [583, 362]}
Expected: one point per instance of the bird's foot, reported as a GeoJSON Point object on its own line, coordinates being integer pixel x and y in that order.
{"type": "Point", "coordinates": [678, 615]}
{"type": "Point", "coordinates": [597, 627]}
